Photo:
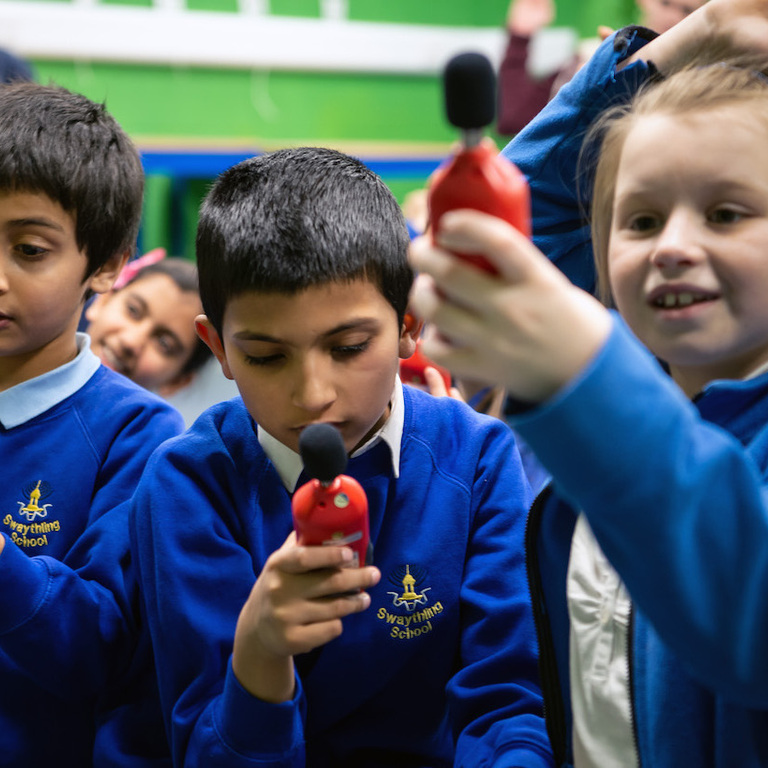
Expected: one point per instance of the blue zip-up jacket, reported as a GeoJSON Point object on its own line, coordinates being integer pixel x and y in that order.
{"type": "Point", "coordinates": [211, 508]}
{"type": "Point", "coordinates": [684, 482]}
{"type": "Point", "coordinates": [687, 484]}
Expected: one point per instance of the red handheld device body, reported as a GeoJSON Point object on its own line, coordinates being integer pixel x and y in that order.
{"type": "Point", "coordinates": [479, 178]}
{"type": "Point", "coordinates": [334, 513]}
{"type": "Point", "coordinates": [412, 369]}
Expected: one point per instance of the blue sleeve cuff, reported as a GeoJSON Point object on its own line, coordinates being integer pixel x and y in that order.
{"type": "Point", "coordinates": [628, 383]}
{"type": "Point", "coordinates": [256, 728]}
{"type": "Point", "coordinates": [23, 586]}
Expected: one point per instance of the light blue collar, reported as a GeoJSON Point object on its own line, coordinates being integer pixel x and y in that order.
{"type": "Point", "coordinates": [25, 401]}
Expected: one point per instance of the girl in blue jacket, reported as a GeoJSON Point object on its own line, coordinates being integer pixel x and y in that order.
{"type": "Point", "coordinates": [647, 555]}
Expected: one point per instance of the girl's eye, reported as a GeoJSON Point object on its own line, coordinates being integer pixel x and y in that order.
{"type": "Point", "coordinates": [133, 310]}
{"type": "Point", "coordinates": [350, 350]}
{"type": "Point", "coordinates": [726, 216]}
{"type": "Point", "coordinates": [263, 361]}
{"type": "Point", "coordinates": [643, 223]}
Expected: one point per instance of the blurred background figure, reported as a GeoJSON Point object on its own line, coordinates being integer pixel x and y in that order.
{"type": "Point", "coordinates": [14, 69]}
{"type": "Point", "coordinates": [145, 329]}
{"type": "Point", "coordinates": [524, 92]}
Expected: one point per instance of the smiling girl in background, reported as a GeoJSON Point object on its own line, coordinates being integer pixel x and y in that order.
{"type": "Point", "coordinates": [146, 330]}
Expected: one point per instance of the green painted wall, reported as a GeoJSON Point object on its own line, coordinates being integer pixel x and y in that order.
{"type": "Point", "coordinates": [183, 106]}
{"type": "Point", "coordinates": [207, 105]}
{"type": "Point", "coordinates": [587, 15]}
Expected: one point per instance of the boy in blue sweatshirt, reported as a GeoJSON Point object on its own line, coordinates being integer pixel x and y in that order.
{"type": "Point", "coordinates": [270, 653]}
{"type": "Point", "coordinates": [74, 436]}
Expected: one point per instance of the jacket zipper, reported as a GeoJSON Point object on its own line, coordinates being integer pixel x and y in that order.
{"type": "Point", "coordinates": [631, 679]}
{"type": "Point", "coordinates": [554, 714]}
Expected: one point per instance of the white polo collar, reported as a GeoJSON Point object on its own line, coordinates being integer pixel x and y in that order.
{"type": "Point", "coordinates": [289, 464]}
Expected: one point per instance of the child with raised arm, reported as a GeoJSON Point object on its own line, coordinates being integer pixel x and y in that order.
{"type": "Point", "coordinates": [270, 653]}
{"type": "Point", "coordinates": [74, 436]}
{"type": "Point", "coordinates": [662, 477]}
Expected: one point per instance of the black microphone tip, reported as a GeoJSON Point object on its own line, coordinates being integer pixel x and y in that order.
{"type": "Point", "coordinates": [322, 451]}
{"type": "Point", "coordinates": [470, 91]}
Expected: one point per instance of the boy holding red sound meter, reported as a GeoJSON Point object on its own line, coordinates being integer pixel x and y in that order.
{"type": "Point", "coordinates": [331, 509]}
{"type": "Point", "coordinates": [270, 648]}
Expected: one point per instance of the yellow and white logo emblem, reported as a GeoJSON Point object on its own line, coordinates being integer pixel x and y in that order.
{"type": "Point", "coordinates": [34, 532]}
{"type": "Point", "coordinates": [411, 613]}
{"type": "Point", "coordinates": [32, 508]}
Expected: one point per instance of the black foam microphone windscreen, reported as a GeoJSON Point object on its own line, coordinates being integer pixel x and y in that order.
{"type": "Point", "coordinates": [322, 451]}
{"type": "Point", "coordinates": [470, 91]}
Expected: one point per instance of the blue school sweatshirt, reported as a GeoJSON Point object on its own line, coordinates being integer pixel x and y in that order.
{"type": "Point", "coordinates": [439, 670]}
{"type": "Point", "coordinates": [74, 443]}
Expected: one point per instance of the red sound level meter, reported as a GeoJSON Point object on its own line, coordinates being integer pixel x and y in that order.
{"type": "Point", "coordinates": [332, 508]}
{"type": "Point", "coordinates": [476, 176]}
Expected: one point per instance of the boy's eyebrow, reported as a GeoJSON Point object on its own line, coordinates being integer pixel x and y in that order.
{"type": "Point", "coordinates": [351, 325]}
{"type": "Point", "coordinates": [34, 221]}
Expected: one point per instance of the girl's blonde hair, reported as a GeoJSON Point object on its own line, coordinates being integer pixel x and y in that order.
{"type": "Point", "coordinates": [690, 90]}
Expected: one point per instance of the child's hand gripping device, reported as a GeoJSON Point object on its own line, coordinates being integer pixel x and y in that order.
{"type": "Point", "coordinates": [332, 508]}
{"type": "Point", "coordinates": [476, 176]}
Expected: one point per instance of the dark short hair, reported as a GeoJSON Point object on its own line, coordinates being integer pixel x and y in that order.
{"type": "Point", "coordinates": [296, 218]}
{"type": "Point", "coordinates": [63, 145]}
{"type": "Point", "coordinates": [184, 273]}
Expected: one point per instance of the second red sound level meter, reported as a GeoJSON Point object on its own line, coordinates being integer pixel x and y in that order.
{"type": "Point", "coordinates": [476, 176]}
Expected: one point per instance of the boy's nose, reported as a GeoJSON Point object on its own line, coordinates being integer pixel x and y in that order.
{"type": "Point", "coordinates": [313, 389]}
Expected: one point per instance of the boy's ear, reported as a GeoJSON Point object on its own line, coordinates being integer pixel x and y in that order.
{"type": "Point", "coordinates": [104, 277]}
{"type": "Point", "coordinates": [210, 336]}
{"type": "Point", "coordinates": [409, 334]}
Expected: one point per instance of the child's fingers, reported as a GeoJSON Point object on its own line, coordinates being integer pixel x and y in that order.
{"type": "Point", "coordinates": [435, 382]}
{"type": "Point", "coordinates": [443, 279]}
{"type": "Point", "coordinates": [317, 619]}
{"type": "Point", "coordinates": [604, 32]}
{"type": "Point", "coordinates": [461, 360]}
{"type": "Point", "coordinates": [323, 621]}
{"type": "Point", "coordinates": [295, 558]}
{"type": "Point", "coordinates": [511, 252]}
{"type": "Point", "coordinates": [333, 582]}
{"type": "Point", "coordinates": [284, 608]}
{"type": "Point", "coordinates": [452, 323]}
{"type": "Point", "coordinates": [315, 623]}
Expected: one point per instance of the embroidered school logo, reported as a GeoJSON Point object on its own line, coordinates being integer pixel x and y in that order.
{"type": "Point", "coordinates": [407, 596]}
{"type": "Point", "coordinates": [36, 494]}
{"type": "Point", "coordinates": [32, 530]}
{"type": "Point", "coordinates": [409, 613]}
